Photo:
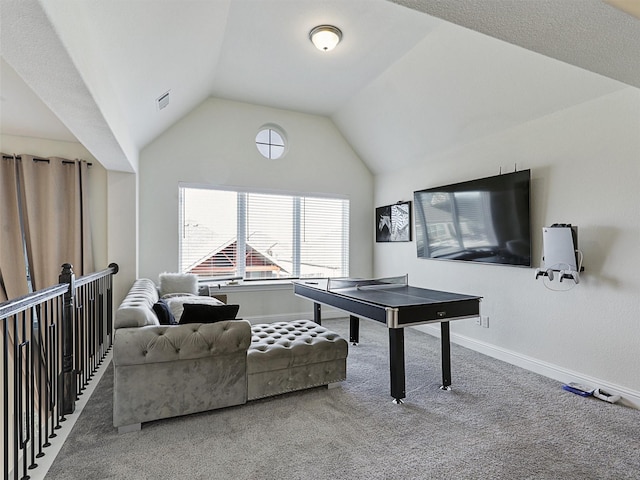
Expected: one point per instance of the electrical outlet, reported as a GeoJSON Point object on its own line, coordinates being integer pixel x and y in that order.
{"type": "Point", "coordinates": [484, 321]}
{"type": "Point", "coordinates": [478, 321]}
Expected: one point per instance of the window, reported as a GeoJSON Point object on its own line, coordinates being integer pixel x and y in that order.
{"type": "Point", "coordinates": [270, 142]}
{"type": "Point", "coordinates": [261, 236]}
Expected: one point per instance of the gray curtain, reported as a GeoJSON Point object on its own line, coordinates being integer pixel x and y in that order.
{"type": "Point", "coordinates": [47, 199]}
{"type": "Point", "coordinates": [13, 270]}
{"type": "Point", "coordinates": [57, 226]}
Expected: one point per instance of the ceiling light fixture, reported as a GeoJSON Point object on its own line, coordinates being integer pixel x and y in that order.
{"type": "Point", "coordinates": [325, 37]}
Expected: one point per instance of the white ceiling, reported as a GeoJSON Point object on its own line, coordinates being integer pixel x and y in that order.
{"type": "Point", "coordinates": [92, 70]}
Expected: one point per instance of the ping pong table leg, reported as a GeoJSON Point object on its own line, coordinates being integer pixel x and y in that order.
{"type": "Point", "coordinates": [446, 355]}
{"type": "Point", "coordinates": [396, 363]}
{"type": "Point", "coordinates": [354, 330]}
{"type": "Point", "coordinates": [317, 317]}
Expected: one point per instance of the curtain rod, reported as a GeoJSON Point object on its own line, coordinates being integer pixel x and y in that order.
{"type": "Point", "coordinates": [39, 159]}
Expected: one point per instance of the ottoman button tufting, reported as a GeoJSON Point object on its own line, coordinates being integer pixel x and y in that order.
{"type": "Point", "coordinates": [297, 355]}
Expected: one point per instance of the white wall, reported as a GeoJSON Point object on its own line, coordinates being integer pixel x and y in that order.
{"type": "Point", "coordinates": [585, 163]}
{"type": "Point", "coordinates": [123, 230]}
{"type": "Point", "coordinates": [215, 145]}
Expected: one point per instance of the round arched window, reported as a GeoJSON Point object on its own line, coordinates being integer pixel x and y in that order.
{"type": "Point", "coordinates": [271, 142]}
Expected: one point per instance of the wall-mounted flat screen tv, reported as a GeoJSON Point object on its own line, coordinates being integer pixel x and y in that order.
{"type": "Point", "coordinates": [485, 220]}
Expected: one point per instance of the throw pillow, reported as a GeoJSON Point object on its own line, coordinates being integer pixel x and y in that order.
{"type": "Point", "coordinates": [204, 313]}
{"type": "Point", "coordinates": [163, 312]}
{"type": "Point", "coordinates": [168, 296]}
{"type": "Point", "coordinates": [178, 282]}
{"type": "Point", "coordinates": [176, 303]}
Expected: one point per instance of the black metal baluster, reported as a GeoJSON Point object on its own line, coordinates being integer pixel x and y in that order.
{"type": "Point", "coordinates": [32, 365]}
{"type": "Point", "coordinates": [50, 393]}
{"type": "Point", "coordinates": [101, 336]}
{"type": "Point", "coordinates": [92, 327]}
{"type": "Point", "coordinates": [17, 373]}
{"type": "Point", "coordinates": [41, 314]}
{"type": "Point", "coordinates": [57, 349]}
{"type": "Point", "coordinates": [80, 343]}
{"type": "Point", "coordinates": [16, 409]}
{"type": "Point", "coordinates": [5, 394]}
{"type": "Point", "coordinates": [23, 380]}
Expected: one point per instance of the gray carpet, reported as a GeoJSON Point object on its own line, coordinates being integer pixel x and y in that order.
{"type": "Point", "coordinates": [498, 422]}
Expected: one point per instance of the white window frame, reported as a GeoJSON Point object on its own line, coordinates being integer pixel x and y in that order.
{"type": "Point", "coordinates": [241, 224]}
{"type": "Point", "coordinates": [275, 148]}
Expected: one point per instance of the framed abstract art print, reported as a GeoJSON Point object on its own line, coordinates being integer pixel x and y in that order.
{"type": "Point", "coordinates": [393, 223]}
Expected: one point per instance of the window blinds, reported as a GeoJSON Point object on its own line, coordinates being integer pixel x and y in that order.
{"type": "Point", "coordinates": [262, 235]}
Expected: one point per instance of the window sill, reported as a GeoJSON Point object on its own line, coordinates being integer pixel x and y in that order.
{"type": "Point", "coordinates": [251, 286]}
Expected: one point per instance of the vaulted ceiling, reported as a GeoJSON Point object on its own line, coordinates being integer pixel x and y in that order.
{"type": "Point", "coordinates": [91, 71]}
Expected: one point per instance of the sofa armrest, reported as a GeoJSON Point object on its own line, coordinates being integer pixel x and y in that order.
{"type": "Point", "coordinates": [167, 343]}
{"type": "Point", "coordinates": [136, 310]}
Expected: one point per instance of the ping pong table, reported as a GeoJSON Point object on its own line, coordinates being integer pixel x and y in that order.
{"type": "Point", "coordinates": [393, 302]}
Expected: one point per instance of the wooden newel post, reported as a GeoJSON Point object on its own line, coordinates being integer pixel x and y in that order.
{"type": "Point", "coordinates": [68, 381]}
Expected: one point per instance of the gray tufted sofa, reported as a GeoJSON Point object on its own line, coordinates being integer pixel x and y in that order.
{"type": "Point", "coordinates": [163, 371]}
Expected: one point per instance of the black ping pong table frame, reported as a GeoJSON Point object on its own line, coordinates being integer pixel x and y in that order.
{"type": "Point", "coordinates": [458, 307]}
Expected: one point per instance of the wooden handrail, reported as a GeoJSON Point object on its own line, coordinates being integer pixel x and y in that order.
{"type": "Point", "coordinates": [20, 304]}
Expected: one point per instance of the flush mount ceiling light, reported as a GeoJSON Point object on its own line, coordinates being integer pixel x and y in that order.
{"type": "Point", "coordinates": [325, 37]}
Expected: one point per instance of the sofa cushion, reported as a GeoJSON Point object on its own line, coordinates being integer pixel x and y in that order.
{"type": "Point", "coordinates": [178, 283]}
{"type": "Point", "coordinates": [163, 312]}
{"type": "Point", "coordinates": [176, 304]}
{"type": "Point", "coordinates": [135, 346]}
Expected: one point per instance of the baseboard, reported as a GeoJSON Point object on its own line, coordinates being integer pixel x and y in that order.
{"type": "Point", "coordinates": [629, 398]}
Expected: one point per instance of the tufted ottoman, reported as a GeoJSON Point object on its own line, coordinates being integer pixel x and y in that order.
{"type": "Point", "coordinates": [288, 356]}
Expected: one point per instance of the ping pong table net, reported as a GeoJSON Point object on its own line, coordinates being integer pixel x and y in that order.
{"type": "Point", "coordinates": [363, 283]}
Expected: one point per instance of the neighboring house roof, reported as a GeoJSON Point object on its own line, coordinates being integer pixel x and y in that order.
{"type": "Point", "coordinates": [222, 256]}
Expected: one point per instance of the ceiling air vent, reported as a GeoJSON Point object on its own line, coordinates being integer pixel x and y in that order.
{"type": "Point", "coordinates": [163, 100]}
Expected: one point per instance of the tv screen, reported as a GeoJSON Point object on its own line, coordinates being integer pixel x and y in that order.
{"type": "Point", "coordinates": [485, 220]}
